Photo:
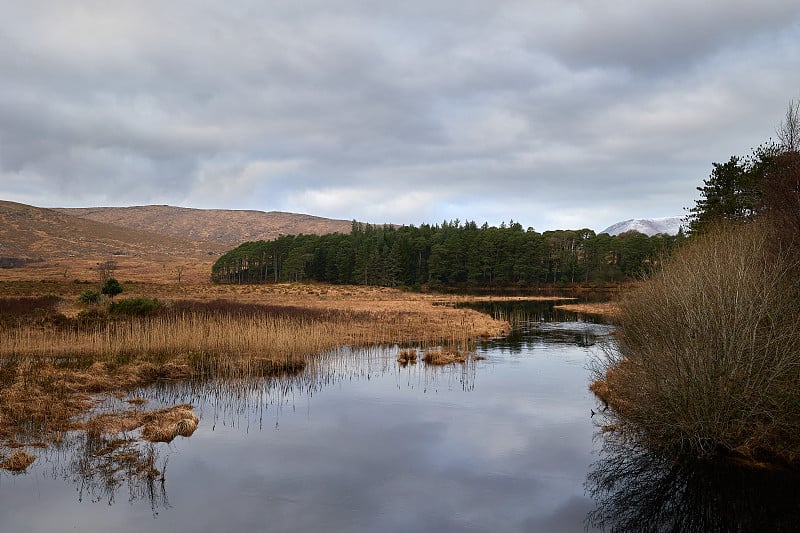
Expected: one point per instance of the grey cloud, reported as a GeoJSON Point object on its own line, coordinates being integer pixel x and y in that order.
{"type": "Point", "coordinates": [332, 109]}
{"type": "Point", "coordinates": [652, 35]}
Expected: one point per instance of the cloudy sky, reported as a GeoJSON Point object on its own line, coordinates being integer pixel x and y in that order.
{"type": "Point", "coordinates": [556, 114]}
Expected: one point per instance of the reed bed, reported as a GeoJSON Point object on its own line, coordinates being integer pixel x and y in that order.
{"type": "Point", "coordinates": [19, 461]}
{"type": "Point", "coordinates": [272, 337]}
{"type": "Point", "coordinates": [51, 365]}
{"type": "Point", "coordinates": [163, 336]}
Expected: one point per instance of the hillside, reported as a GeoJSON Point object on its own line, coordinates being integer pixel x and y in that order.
{"type": "Point", "coordinates": [28, 232]}
{"type": "Point", "coordinates": [231, 227]}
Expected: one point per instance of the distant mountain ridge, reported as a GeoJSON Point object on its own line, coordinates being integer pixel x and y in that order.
{"type": "Point", "coordinates": [28, 233]}
{"type": "Point", "coordinates": [225, 226]}
{"type": "Point", "coordinates": [648, 226]}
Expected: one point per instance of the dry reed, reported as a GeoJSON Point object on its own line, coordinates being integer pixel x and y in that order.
{"type": "Point", "coordinates": [449, 355]}
{"type": "Point", "coordinates": [18, 462]}
{"type": "Point", "coordinates": [407, 356]}
{"type": "Point", "coordinates": [49, 366]}
{"type": "Point", "coordinates": [166, 424]}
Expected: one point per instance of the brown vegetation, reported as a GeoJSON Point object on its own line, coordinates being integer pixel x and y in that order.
{"type": "Point", "coordinates": [19, 461]}
{"type": "Point", "coordinates": [449, 355]}
{"type": "Point", "coordinates": [407, 356]}
{"type": "Point", "coordinates": [56, 355]}
{"type": "Point", "coordinates": [605, 309]}
{"type": "Point", "coordinates": [708, 353]}
{"type": "Point", "coordinates": [161, 425]}
{"type": "Point", "coordinates": [444, 357]}
{"type": "Point", "coordinates": [211, 225]}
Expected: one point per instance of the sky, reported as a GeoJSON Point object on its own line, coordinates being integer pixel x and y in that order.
{"type": "Point", "coordinates": [555, 114]}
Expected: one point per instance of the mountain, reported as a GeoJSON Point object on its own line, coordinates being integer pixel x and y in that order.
{"type": "Point", "coordinates": [153, 243]}
{"type": "Point", "coordinates": [648, 226]}
{"type": "Point", "coordinates": [33, 233]}
{"type": "Point", "coordinates": [230, 227]}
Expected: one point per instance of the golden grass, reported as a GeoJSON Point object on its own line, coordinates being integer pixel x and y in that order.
{"type": "Point", "coordinates": [166, 424]}
{"type": "Point", "coordinates": [161, 425]}
{"type": "Point", "coordinates": [18, 462]}
{"type": "Point", "coordinates": [50, 370]}
{"type": "Point", "coordinates": [407, 356]}
{"type": "Point", "coordinates": [605, 309]}
{"type": "Point", "coordinates": [443, 357]}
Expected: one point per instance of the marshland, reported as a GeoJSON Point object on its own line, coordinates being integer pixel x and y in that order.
{"type": "Point", "coordinates": [349, 440]}
{"type": "Point", "coordinates": [358, 408]}
{"type": "Point", "coordinates": [333, 414]}
{"type": "Point", "coordinates": [58, 351]}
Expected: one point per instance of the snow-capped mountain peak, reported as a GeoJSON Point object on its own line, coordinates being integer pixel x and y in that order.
{"type": "Point", "coordinates": [648, 226]}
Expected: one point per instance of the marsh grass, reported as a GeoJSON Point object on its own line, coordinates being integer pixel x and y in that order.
{"type": "Point", "coordinates": [408, 355]}
{"type": "Point", "coordinates": [19, 461]}
{"type": "Point", "coordinates": [160, 425]}
{"type": "Point", "coordinates": [52, 366]}
{"type": "Point", "coordinates": [448, 355]}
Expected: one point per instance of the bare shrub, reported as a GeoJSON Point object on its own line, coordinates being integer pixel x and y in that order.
{"type": "Point", "coordinates": [707, 358]}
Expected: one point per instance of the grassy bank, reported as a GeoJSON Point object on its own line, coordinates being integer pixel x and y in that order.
{"type": "Point", "coordinates": [56, 356]}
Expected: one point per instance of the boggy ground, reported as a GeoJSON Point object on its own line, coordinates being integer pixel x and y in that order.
{"type": "Point", "coordinates": [59, 358]}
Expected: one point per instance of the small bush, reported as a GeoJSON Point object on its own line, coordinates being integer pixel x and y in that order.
{"type": "Point", "coordinates": [707, 359]}
{"type": "Point", "coordinates": [90, 297]}
{"type": "Point", "coordinates": [135, 307]}
{"type": "Point", "coordinates": [111, 288]}
{"type": "Point", "coordinates": [92, 315]}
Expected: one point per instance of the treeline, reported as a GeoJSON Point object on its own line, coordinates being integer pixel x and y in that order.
{"type": "Point", "coordinates": [452, 254]}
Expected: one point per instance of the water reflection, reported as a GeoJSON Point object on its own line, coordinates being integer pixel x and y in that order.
{"type": "Point", "coordinates": [102, 467]}
{"type": "Point", "coordinates": [354, 443]}
{"type": "Point", "coordinates": [539, 323]}
{"type": "Point", "coordinates": [636, 490]}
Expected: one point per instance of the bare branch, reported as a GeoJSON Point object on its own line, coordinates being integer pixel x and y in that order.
{"type": "Point", "coordinates": [789, 130]}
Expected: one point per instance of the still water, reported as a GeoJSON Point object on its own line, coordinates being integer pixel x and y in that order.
{"type": "Point", "coordinates": [359, 443]}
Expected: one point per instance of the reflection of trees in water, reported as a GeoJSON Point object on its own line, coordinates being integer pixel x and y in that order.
{"type": "Point", "coordinates": [636, 490]}
{"type": "Point", "coordinates": [537, 323]}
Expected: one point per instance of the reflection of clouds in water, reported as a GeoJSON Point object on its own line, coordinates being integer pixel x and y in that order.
{"type": "Point", "coordinates": [487, 436]}
{"type": "Point", "coordinates": [358, 443]}
{"type": "Point", "coordinates": [584, 328]}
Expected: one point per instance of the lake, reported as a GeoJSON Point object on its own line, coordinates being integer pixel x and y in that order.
{"type": "Point", "coordinates": [359, 443]}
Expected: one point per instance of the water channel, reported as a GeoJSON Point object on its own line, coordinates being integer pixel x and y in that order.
{"type": "Point", "coordinates": [360, 443]}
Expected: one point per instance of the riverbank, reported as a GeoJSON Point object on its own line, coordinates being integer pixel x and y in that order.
{"type": "Point", "coordinates": [59, 357]}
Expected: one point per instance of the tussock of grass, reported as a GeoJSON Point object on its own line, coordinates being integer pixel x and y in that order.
{"type": "Point", "coordinates": [166, 424]}
{"type": "Point", "coordinates": [18, 462]}
{"type": "Point", "coordinates": [407, 356]}
{"type": "Point", "coordinates": [605, 309]}
{"type": "Point", "coordinates": [444, 356]}
{"type": "Point", "coordinates": [161, 425]}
